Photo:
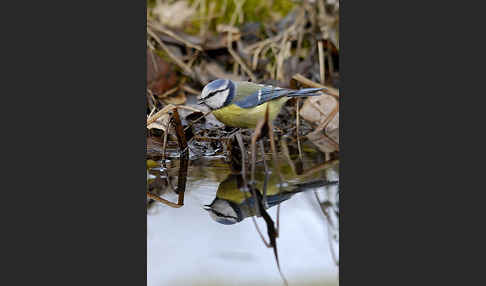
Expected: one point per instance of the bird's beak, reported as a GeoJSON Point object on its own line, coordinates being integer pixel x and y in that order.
{"type": "Point", "coordinates": [207, 207]}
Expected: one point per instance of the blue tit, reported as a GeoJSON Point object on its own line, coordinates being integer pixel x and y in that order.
{"type": "Point", "coordinates": [243, 104]}
{"type": "Point", "coordinates": [233, 205]}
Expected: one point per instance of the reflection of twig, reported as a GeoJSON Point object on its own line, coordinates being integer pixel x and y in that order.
{"type": "Point", "coordinates": [324, 166]}
{"type": "Point", "coordinates": [272, 235]}
{"type": "Point", "coordinates": [285, 151]}
{"type": "Point", "coordinates": [330, 227]}
{"type": "Point", "coordinates": [184, 157]}
{"type": "Point", "coordinates": [162, 200]}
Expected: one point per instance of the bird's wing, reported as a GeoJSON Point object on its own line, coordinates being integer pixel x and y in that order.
{"type": "Point", "coordinates": [249, 94]}
{"type": "Point", "coordinates": [244, 88]}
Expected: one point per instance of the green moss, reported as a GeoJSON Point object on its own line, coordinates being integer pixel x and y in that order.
{"type": "Point", "coordinates": [253, 11]}
{"type": "Point", "coordinates": [150, 4]}
{"type": "Point", "coordinates": [282, 6]}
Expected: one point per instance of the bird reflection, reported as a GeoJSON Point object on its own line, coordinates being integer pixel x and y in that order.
{"type": "Point", "coordinates": [234, 203]}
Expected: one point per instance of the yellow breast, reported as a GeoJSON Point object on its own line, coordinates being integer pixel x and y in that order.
{"type": "Point", "coordinates": [235, 116]}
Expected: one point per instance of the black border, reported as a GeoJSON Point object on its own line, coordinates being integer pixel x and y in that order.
{"type": "Point", "coordinates": [77, 212]}
{"type": "Point", "coordinates": [77, 208]}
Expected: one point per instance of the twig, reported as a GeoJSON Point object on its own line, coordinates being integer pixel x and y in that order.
{"type": "Point", "coordinates": [322, 71]}
{"type": "Point", "coordinates": [184, 157]}
{"type": "Point", "coordinates": [329, 59]}
{"type": "Point", "coordinates": [323, 166]}
{"type": "Point", "coordinates": [239, 60]}
{"type": "Point", "coordinates": [238, 12]}
{"type": "Point", "coordinates": [243, 157]}
{"type": "Point", "coordinates": [286, 154]}
{"type": "Point", "coordinates": [297, 120]}
{"type": "Point", "coordinates": [273, 148]}
{"type": "Point", "coordinates": [159, 114]}
{"type": "Point", "coordinates": [176, 60]}
{"type": "Point", "coordinates": [190, 90]}
{"type": "Point", "coordinates": [204, 115]}
{"type": "Point", "coordinates": [169, 92]}
{"type": "Point", "coordinates": [164, 146]}
{"type": "Point", "coordinates": [166, 109]}
{"type": "Point", "coordinates": [328, 119]}
{"type": "Point", "coordinates": [169, 33]}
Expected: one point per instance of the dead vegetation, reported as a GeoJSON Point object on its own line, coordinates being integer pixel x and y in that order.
{"type": "Point", "coordinates": [292, 44]}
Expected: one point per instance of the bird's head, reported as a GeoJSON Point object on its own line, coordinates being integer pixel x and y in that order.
{"type": "Point", "coordinates": [223, 212]}
{"type": "Point", "coordinates": [217, 93]}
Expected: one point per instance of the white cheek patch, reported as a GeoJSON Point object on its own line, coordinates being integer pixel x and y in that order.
{"type": "Point", "coordinates": [203, 94]}
{"type": "Point", "coordinates": [217, 101]}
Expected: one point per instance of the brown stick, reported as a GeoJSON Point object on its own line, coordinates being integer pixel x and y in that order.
{"type": "Point", "coordinates": [239, 60]}
{"type": "Point", "coordinates": [176, 60]}
{"type": "Point", "coordinates": [322, 70]}
{"type": "Point", "coordinates": [184, 157]}
{"type": "Point", "coordinates": [169, 33]}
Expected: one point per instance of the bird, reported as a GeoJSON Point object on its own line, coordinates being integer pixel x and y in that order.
{"type": "Point", "coordinates": [232, 205]}
{"type": "Point", "coordinates": [243, 104]}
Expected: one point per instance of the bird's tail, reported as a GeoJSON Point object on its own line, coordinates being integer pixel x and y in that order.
{"type": "Point", "coordinates": [305, 92]}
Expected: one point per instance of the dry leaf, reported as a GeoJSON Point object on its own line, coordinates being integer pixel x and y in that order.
{"type": "Point", "coordinates": [333, 125]}
{"type": "Point", "coordinates": [321, 111]}
{"type": "Point", "coordinates": [317, 108]}
{"type": "Point", "coordinates": [161, 76]}
{"type": "Point", "coordinates": [160, 123]}
{"type": "Point", "coordinates": [323, 142]}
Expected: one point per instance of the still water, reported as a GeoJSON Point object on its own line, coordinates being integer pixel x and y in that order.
{"type": "Point", "coordinates": [187, 246]}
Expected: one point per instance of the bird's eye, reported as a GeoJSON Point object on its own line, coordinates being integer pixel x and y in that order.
{"type": "Point", "coordinates": [211, 94]}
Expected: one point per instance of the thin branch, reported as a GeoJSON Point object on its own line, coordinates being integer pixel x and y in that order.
{"type": "Point", "coordinates": [239, 60]}
{"type": "Point", "coordinates": [169, 33]}
{"type": "Point", "coordinates": [176, 60]}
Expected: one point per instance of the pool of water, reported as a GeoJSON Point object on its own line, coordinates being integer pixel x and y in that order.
{"type": "Point", "coordinates": [190, 245]}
